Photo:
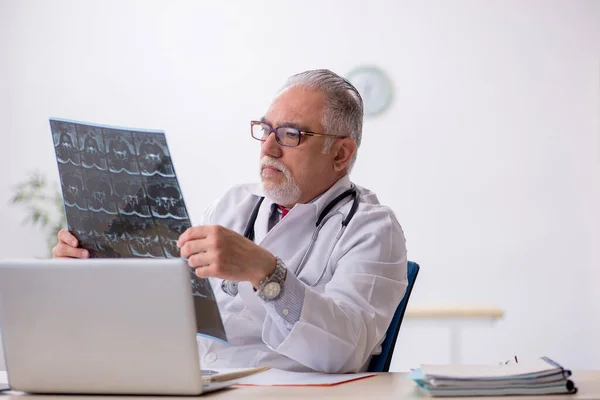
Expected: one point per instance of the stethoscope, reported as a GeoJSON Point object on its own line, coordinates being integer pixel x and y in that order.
{"type": "Point", "coordinates": [231, 287]}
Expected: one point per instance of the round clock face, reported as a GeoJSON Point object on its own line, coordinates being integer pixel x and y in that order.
{"type": "Point", "coordinates": [374, 87]}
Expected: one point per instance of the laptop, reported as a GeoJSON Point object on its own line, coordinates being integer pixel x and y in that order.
{"type": "Point", "coordinates": [101, 326]}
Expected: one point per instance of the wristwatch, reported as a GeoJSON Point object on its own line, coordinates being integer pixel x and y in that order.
{"type": "Point", "coordinates": [271, 287]}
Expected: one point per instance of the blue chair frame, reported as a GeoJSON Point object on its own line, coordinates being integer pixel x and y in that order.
{"type": "Point", "coordinates": [381, 362]}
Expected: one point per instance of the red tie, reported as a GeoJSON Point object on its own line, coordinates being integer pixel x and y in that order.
{"type": "Point", "coordinates": [284, 211]}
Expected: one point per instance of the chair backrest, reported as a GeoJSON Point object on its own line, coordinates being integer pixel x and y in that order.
{"type": "Point", "coordinates": [381, 362]}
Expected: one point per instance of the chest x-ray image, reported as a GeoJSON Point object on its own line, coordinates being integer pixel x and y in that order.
{"type": "Point", "coordinates": [122, 199]}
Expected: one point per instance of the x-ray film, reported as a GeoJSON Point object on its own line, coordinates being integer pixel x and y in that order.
{"type": "Point", "coordinates": [122, 200]}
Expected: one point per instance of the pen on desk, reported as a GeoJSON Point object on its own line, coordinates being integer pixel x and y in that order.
{"type": "Point", "coordinates": [208, 372]}
{"type": "Point", "coordinates": [228, 376]}
{"type": "Point", "coordinates": [516, 360]}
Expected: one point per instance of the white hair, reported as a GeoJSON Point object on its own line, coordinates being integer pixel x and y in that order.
{"type": "Point", "coordinates": [343, 113]}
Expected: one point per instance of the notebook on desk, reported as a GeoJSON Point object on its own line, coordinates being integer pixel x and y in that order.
{"type": "Point", "coordinates": [3, 381]}
{"type": "Point", "coordinates": [103, 326]}
{"type": "Point", "coordinates": [535, 377]}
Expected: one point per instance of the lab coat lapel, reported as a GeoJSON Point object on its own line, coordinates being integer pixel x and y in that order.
{"type": "Point", "coordinates": [298, 226]}
{"type": "Point", "coordinates": [289, 237]}
{"type": "Point", "coordinates": [261, 225]}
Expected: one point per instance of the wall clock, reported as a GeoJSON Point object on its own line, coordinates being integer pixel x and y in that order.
{"type": "Point", "coordinates": [374, 87]}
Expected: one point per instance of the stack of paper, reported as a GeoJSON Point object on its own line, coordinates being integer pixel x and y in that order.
{"type": "Point", "coordinates": [3, 381]}
{"type": "Point", "coordinates": [541, 376]}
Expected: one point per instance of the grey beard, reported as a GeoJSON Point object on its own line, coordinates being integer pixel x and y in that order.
{"type": "Point", "coordinates": [284, 194]}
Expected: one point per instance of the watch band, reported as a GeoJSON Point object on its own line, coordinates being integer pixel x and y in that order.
{"type": "Point", "coordinates": [271, 288]}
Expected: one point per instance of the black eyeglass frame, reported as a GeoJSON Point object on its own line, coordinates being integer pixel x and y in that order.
{"type": "Point", "coordinates": [285, 130]}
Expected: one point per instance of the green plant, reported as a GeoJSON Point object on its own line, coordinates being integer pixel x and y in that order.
{"type": "Point", "coordinates": [44, 204]}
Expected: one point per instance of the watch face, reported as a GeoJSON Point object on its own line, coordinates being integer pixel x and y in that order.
{"type": "Point", "coordinates": [271, 290]}
{"type": "Point", "coordinates": [374, 87]}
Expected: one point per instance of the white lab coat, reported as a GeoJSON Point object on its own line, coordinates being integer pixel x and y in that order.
{"type": "Point", "coordinates": [344, 316]}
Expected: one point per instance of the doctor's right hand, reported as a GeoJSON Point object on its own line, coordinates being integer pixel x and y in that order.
{"type": "Point", "coordinates": [67, 246]}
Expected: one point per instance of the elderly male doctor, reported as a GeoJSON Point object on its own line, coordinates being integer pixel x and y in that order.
{"type": "Point", "coordinates": [308, 277]}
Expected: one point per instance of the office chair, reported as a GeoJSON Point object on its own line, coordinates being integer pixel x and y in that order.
{"type": "Point", "coordinates": [381, 362]}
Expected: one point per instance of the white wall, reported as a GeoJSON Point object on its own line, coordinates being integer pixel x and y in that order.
{"type": "Point", "coordinates": [490, 153]}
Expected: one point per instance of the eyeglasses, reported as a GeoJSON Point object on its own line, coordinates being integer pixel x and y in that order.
{"type": "Point", "coordinates": [285, 136]}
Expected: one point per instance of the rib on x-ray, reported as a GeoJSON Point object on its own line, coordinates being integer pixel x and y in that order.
{"type": "Point", "coordinates": [122, 198]}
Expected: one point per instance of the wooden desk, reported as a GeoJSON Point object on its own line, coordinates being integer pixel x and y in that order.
{"type": "Point", "coordinates": [383, 386]}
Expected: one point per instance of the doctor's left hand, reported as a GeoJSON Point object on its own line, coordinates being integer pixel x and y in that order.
{"type": "Point", "coordinates": [215, 251]}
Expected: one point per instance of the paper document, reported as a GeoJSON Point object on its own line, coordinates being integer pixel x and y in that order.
{"type": "Point", "coordinates": [541, 376]}
{"type": "Point", "coordinates": [537, 367]}
{"type": "Point", "coordinates": [277, 377]}
{"type": "Point", "coordinates": [3, 381]}
{"type": "Point", "coordinates": [122, 199]}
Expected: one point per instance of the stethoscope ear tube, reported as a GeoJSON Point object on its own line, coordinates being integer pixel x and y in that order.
{"type": "Point", "coordinates": [350, 192]}
{"type": "Point", "coordinates": [353, 209]}
{"type": "Point", "coordinates": [249, 232]}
